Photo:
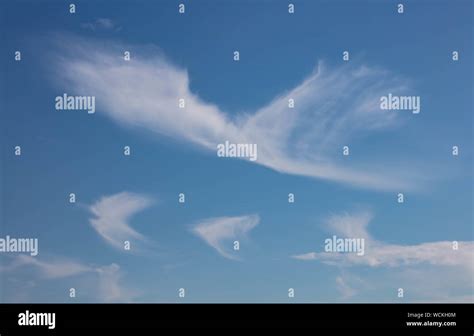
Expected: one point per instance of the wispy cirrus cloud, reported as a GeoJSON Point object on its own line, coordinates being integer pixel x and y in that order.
{"type": "Point", "coordinates": [381, 254]}
{"type": "Point", "coordinates": [445, 273]}
{"type": "Point", "coordinates": [112, 214]}
{"type": "Point", "coordinates": [101, 23]}
{"type": "Point", "coordinates": [345, 289]}
{"type": "Point", "coordinates": [51, 269]}
{"type": "Point", "coordinates": [215, 231]}
{"type": "Point", "coordinates": [103, 283]}
{"type": "Point", "coordinates": [110, 285]}
{"type": "Point", "coordinates": [331, 107]}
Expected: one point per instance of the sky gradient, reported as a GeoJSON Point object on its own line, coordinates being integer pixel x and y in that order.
{"type": "Point", "coordinates": [300, 151]}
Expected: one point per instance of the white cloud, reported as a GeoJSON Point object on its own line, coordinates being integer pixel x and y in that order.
{"type": "Point", "coordinates": [436, 284]}
{"type": "Point", "coordinates": [431, 271]}
{"type": "Point", "coordinates": [379, 253]}
{"type": "Point", "coordinates": [350, 225]}
{"type": "Point", "coordinates": [112, 215]}
{"type": "Point", "coordinates": [110, 287]}
{"type": "Point", "coordinates": [101, 23]}
{"type": "Point", "coordinates": [52, 269]}
{"type": "Point", "coordinates": [306, 256]}
{"type": "Point", "coordinates": [103, 282]}
{"type": "Point", "coordinates": [215, 231]}
{"type": "Point", "coordinates": [331, 106]}
{"type": "Point", "coordinates": [435, 253]}
{"type": "Point", "coordinates": [345, 290]}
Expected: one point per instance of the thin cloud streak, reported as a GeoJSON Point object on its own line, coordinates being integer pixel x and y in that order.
{"type": "Point", "coordinates": [405, 266]}
{"type": "Point", "coordinates": [101, 23]}
{"type": "Point", "coordinates": [51, 269]}
{"type": "Point", "coordinates": [104, 282]}
{"type": "Point", "coordinates": [381, 254]}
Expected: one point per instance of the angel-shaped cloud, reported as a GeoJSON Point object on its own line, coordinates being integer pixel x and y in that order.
{"type": "Point", "coordinates": [331, 106]}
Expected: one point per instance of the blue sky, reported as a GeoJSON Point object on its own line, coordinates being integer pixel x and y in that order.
{"type": "Point", "coordinates": [282, 55]}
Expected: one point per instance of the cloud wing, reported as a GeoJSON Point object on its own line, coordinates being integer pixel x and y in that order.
{"type": "Point", "coordinates": [214, 231]}
{"type": "Point", "coordinates": [331, 106]}
{"type": "Point", "coordinates": [112, 214]}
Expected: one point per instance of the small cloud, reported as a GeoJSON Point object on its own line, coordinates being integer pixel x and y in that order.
{"type": "Point", "coordinates": [101, 23]}
{"type": "Point", "coordinates": [216, 230]}
{"type": "Point", "coordinates": [112, 215]}
{"type": "Point", "coordinates": [306, 256]}
{"type": "Point", "coordinates": [440, 272]}
{"type": "Point", "coordinates": [104, 282]}
{"type": "Point", "coordinates": [53, 269]}
{"type": "Point", "coordinates": [109, 285]}
{"type": "Point", "coordinates": [345, 290]}
{"type": "Point", "coordinates": [350, 224]}
{"type": "Point", "coordinates": [381, 254]}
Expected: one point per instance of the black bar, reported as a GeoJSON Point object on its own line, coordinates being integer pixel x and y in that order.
{"type": "Point", "coordinates": [130, 317]}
